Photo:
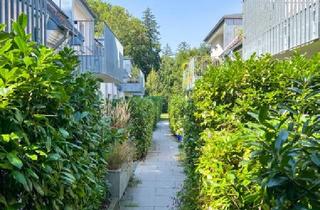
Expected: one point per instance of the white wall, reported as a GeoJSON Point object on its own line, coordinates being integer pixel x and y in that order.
{"type": "Point", "coordinates": [277, 26]}
{"type": "Point", "coordinates": [110, 91]}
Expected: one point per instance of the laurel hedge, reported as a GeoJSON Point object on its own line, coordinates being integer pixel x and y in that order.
{"type": "Point", "coordinates": [251, 136]}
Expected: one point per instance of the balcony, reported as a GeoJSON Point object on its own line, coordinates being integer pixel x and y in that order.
{"type": "Point", "coordinates": [134, 87]}
{"type": "Point", "coordinates": [104, 58]}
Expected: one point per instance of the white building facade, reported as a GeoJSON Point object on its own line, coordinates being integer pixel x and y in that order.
{"type": "Point", "coordinates": [225, 37]}
{"type": "Point", "coordinates": [280, 26]}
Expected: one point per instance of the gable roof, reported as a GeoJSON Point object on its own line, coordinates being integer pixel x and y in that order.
{"type": "Point", "coordinates": [220, 22]}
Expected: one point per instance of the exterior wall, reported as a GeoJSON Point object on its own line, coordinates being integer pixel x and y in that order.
{"type": "Point", "coordinates": [110, 91]}
{"type": "Point", "coordinates": [217, 43]}
{"type": "Point", "coordinates": [127, 65]}
{"type": "Point", "coordinates": [227, 32]}
{"type": "Point", "coordinates": [136, 88]}
{"type": "Point", "coordinates": [83, 21]}
{"type": "Point", "coordinates": [34, 9]}
{"type": "Point", "coordinates": [232, 29]}
{"type": "Point", "coordinates": [278, 26]}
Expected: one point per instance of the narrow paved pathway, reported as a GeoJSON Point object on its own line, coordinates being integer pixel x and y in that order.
{"type": "Point", "coordinates": [158, 178]}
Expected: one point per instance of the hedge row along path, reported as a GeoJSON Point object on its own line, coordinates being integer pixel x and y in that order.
{"type": "Point", "coordinates": [157, 179]}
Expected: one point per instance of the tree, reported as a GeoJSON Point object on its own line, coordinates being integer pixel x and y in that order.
{"type": "Point", "coordinates": [172, 67]}
{"type": "Point", "coordinates": [154, 47]}
{"type": "Point", "coordinates": [153, 84]}
{"type": "Point", "coordinates": [168, 75]}
{"type": "Point", "coordinates": [167, 51]}
{"type": "Point", "coordinates": [183, 46]}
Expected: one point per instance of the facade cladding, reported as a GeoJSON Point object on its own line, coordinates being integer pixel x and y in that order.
{"type": "Point", "coordinates": [276, 26]}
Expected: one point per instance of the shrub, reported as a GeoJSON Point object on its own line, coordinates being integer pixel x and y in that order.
{"type": "Point", "coordinates": [287, 148]}
{"type": "Point", "coordinates": [53, 139]}
{"type": "Point", "coordinates": [158, 104]}
{"type": "Point", "coordinates": [143, 117]}
{"type": "Point", "coordinates": [189, 195]}
{"type": "Point", "coordinates": [234, 161]}
{"type": "Point", "coordinates": [176, 107]}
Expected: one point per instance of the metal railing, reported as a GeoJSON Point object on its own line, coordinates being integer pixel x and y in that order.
{"type": "Point", "coordinates": [35, 11]}
{"type": "Point", "coordinates": [277, 26]}
{"type": "Point", "coordinates": [91, 58]}
{"type": "Point", "coordinates": [103, 56]}
{"type": "Point", "coordinates": [136, 87]}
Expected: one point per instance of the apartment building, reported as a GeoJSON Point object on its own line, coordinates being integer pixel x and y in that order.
{"type": "Point", "coordinates": [280, 27]}
{"type": "Point", "coordinates": [226, 37]}
{"type": "Point", "coordinates": [224, 40]}
{"type": "Point", "coordinates": [71, 23]}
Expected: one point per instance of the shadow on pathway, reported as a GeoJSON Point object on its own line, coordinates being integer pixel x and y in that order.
{"type": "Point", "coordinates": [159, 177]}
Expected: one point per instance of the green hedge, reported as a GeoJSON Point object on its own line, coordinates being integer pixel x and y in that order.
{"type": "Point", "coordinates": [158, 103]}
{"type": "Point", "coordinates": [253, 145]}
{"type": "Point", "coordinates": [176, 108]}
{"type": "Point", "coordinates": [53, 139]}
{"type": "Point", "coordinates": [144, 114]}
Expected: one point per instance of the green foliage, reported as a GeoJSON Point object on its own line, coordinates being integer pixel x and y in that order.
{"type": "Point", "coordinates": [158, 104]}
{"type": "Point", "coordinates": [172, 68]}
{"type": "Point", "coordinates": [176, 107]}
{"type": "Point", "coordinates": [144, 116]}
{"type": "Point", "coordinates": [153, 84]}
{"type": "Point", "coordinates": [237, 164]}
{"type": "Point", "coordinates": [53, 138]}
{"type": "Point", "coordinates": [132, 32]}
{"type": "Point", "coordinates": [154, 46]}
{"type": "Point", "coordinates": [189, 195]}
{"type": "Point", "coordinates": [287, 149]}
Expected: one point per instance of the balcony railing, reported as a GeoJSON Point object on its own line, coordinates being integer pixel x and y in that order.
{"type": "Point", "coordinates": [136, 87]}
{"type": "Point", "coordinates": [277, 26]}
{"type": "Point", "coordinates": [104, 58]}
{"type": "Point", "coordinates": [34, 9]}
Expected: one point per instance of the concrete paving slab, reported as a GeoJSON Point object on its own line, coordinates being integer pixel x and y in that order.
{"type": "Point", "coordinates": [160, 176]}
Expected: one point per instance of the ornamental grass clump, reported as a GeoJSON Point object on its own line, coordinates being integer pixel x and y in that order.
{"type": "Point", "coordinates": [118, 112]}
{"type": "Point", "coordinates": [121, 154]}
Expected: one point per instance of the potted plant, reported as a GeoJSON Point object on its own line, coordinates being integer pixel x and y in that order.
{"type": "Point", "coordinates": [179, 135]}
{"type": "Point", "coordinates": [120, 168]}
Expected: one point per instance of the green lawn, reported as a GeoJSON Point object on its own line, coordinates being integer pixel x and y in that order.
{"type": "Point", "coordinates": [164, 116]}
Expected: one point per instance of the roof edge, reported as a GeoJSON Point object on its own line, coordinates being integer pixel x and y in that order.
{"type": "Point", "coordinates": [220, 22]}
{"type": "Point", "coordinates": [85, 3]}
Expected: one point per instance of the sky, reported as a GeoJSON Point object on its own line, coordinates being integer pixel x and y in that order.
{"type": "Point", "coordinates": [183, 20]}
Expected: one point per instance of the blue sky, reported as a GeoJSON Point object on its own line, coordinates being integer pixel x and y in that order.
{"type": "Point", "coordinates": [183, 20]}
